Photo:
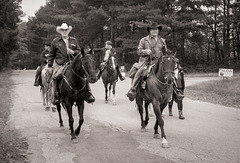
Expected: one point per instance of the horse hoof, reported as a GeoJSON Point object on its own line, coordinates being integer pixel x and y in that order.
{"type": "Point", "coordinates": [143, 130]}
{"type": "Point", "coordinates": [156, 136]}
{"type": "Point", "coordinates": [74, 140]}
{"type": "Point", "coordinates": [106, 101]}
{"type": "Point", "coordinates": [165, 143]}
{"type": "Point", "coordinates": [61, 125]}
{"type": "Point", "coordinates": [47, 108]}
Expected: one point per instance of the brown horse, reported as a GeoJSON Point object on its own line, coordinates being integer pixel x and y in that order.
{"type": "Point", "coordinates": [73, 88]}
{"type": "Point", "coordinates": [110, 78]}
{"type": "Point", "coordinates": [158, 91]}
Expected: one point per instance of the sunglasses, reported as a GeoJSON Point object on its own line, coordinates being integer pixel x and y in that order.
{"type": "Point", "coordinates": [64, 29]}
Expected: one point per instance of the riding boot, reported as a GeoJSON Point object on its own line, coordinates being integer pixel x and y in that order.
{"type": "Point", "coordinates": [37, 76]}
{"type": "Point", "coordinates": [133, 91]}
{"type": "Point", "coordinates": [89, 96]}
{"type": "Point", "coordinates": [120, 74]}
{"type": "Point", "coordinates": [36, 82]}
{"type": "Point", "coordinates": [55, 91]}
{"type": "Point", "coordinates": [181, 114]}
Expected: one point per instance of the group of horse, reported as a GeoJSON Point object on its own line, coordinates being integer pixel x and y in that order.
{"type": "Point", "coordinates": [72, 89]}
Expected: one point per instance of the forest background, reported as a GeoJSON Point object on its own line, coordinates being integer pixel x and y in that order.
{"type": "Point", "coordinates": [203, 33]}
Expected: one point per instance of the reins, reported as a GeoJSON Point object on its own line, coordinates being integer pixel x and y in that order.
{"type": "Point", "coordinates": [82, 78]}
{"type": "Point", "coordinates": [165, 84]}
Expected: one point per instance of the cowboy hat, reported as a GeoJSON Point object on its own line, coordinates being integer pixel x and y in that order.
{"type": "Point", "coordinates": [47, 43]}
{"type": "Point", "coordinates": [64, 26]}
{"type": "Point", "coordinates": [108, 43]}
{"type": "Point", "coordinates": [154, 26]}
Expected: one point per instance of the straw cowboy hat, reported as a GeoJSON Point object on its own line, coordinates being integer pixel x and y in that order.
{"type": "Point", "coordinates": [154, 26]}
{"type": "Point", "coordinates": [64, 26]}
{"type": "Point", "coordinates": [108, 43]}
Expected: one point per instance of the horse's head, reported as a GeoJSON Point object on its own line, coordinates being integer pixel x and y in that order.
{"type": "Point", "coordinates": [89, 64]}
{"type": "Point", "coordinates": [112, 62]}
{"type": "Point", "coordinates": [168, 63]}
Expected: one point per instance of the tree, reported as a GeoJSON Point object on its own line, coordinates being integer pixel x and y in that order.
{"type": "Point", "coordinates": [10, 12]}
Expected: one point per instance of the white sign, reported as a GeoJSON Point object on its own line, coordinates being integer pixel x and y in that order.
{"type": "Point", "coordinates": [225, 72]}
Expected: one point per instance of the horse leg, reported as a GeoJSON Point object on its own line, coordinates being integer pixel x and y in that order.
{"type": "Point", "coordinates": [113, 92]}
{"type": "Point", "coordinates": [159, 122]}
{"type": "Point", "coordinates": [43, 97]}
{"type": "Point", "coordinates": [80, 106]}
{"type": "Point", "coordinates": [106, 93]}
{"type": "Point", "coordinates": [70, 119]}
{"type": "Point", "coordinates": [139, 102]}
{"type": "Point", "coordinates": [109, 91]}
{"type": "Point", "coordinates": [170, 104]}
{"type": "Point", "coordinates": [60, 115]}
{"type": "Point", "coordinates": [146, 105]}
{"type": "Point", "coordinates": [180, 108]}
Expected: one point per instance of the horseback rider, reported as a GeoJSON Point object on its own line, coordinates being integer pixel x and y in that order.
{"type": "Point", "coordinates": [150, 49]}
{"type": "Point", "coordinates": [43, 60]}
{"type": "Point", "coordinates": [109, 52]}
{"type": "Point", "coordinates": [63, 50]}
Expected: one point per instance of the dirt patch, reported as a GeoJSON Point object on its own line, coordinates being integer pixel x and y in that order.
{"type": "Point", "coordinates": [13, 146]}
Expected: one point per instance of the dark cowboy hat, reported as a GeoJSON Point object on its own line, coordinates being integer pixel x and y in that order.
{"type": "Point", "coordinates": [154, 26]}
{"type": "Point", "coordinates": [47, 43]}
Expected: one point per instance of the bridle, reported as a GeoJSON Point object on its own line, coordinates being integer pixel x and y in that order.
{"type": "Point", "coordinates": [84, 79]}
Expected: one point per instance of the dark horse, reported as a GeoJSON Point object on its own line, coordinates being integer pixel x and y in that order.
{"type": "Point", "coordinates": [180, 84]}
{"type": "Point", "coordinates": [158, 91]}
{"type": "Point", "coordinates": [110, 77]}
{"type": "Point", "coordinates": [72, 88]}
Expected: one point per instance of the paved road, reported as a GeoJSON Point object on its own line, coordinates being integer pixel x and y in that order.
{"type": "Point", "coordinates": [111, 133]}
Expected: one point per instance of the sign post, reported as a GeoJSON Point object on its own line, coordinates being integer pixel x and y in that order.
{"type": "Point", "coordinates": [225, 73]}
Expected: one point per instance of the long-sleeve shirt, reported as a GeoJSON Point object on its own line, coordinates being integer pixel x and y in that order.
{"type": "Point", "coordinates": [156, 45]}
{"type": "Point", "coordinates": [44, 56]}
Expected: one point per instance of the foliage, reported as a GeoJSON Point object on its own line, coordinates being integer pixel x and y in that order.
{"type": "Point", "coordinates": [9, 17]}
{"type": "Point", "coordinates": [201, 32]}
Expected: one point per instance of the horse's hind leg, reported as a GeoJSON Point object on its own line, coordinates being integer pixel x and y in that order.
{"type": "Point", "coordinates": [60, 115]}
{"type": "Point", "coordinates": [113, 92]}
{"type": "Point", "coordinates": [109, 91]}
{"type": "Point", "coordinates": [80, 106]}
{"type": "Point", "coordinates": [106, 93]}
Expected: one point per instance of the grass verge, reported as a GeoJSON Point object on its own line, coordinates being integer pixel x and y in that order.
{"type": "Point", "coordinates": [223, 92]}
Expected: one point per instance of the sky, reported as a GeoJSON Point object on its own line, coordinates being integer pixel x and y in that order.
{"type": "Point", "coordinates": [29, 7]}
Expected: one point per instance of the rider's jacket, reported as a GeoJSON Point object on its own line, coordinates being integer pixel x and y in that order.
{"type": "Point", "coordinates": [156, 44]}
{"type": "Point", "coordinates": [59, 50]}
{"type": "Point", "coordinates": [43, 57]}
